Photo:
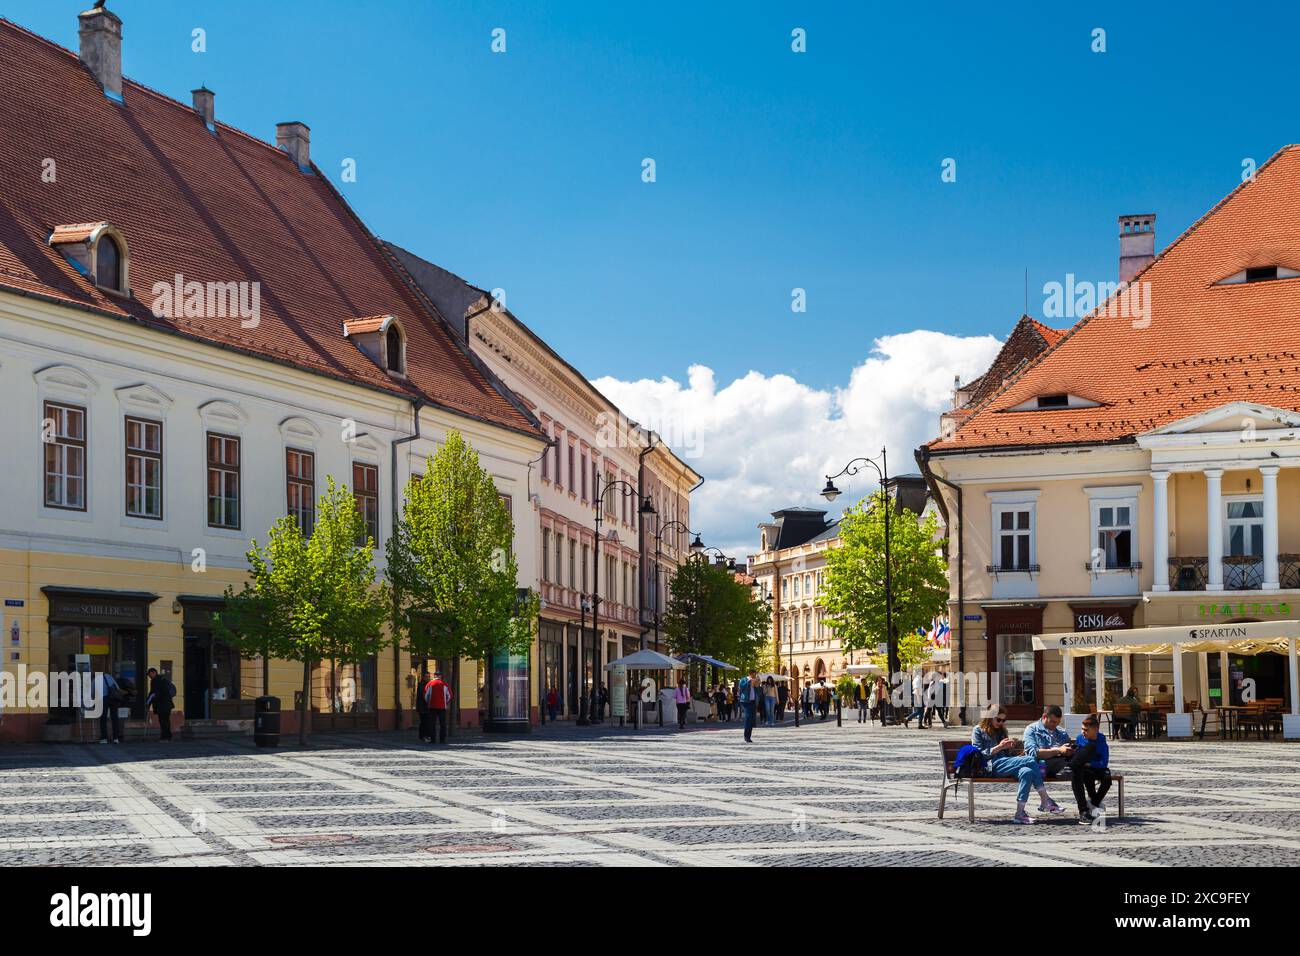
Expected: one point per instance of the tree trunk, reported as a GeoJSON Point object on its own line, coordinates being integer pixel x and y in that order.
{"type": "Point", "coordinates": [304, 707]}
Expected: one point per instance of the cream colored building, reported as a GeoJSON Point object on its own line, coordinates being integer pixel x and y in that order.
{"type": "Point", "coordinates": [590, 438]}
{"type": "Point", "coordinates": [1143, 471]}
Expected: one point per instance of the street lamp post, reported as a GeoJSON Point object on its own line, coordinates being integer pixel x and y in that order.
{"type": "Point", "coordinates": [584, 607]}
{"type": "Point", "coordinates": [659, 537]}
{"type": "Point", "coordinates": [698, 551]}
{"type": "Point", "coordinates": [830, 493]}
{"type": "Point", "coordinates": [646, 509]}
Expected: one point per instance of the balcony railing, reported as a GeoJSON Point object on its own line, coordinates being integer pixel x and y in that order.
{"type": "Point", "coordinates": [1017, 569]}
{"type": "Point", "coordinates": [1092, 568]}
{"type": "Point", "coordinates": [1240, 572]}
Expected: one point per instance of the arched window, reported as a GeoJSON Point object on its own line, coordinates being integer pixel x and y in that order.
{"type": "Point", "coordinates": [108, 264]}
{"type": "Point", "coordinates": [393, 346]}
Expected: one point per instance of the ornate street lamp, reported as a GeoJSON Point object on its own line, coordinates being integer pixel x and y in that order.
{"type": "Point", "coordinates": [830, 493]}
{"type": "Point", "coordinates": [695, 546]}
{"type": "Point", "coordinates": [601, 491]}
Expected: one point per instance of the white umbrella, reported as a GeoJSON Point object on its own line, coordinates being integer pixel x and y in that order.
{"type": "Point", "coordinates": [647, 661]}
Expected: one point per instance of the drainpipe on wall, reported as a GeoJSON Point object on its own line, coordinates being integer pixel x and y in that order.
{"type": "Point", "coordinates": [641, 547]}
{"type": "Point", "coordinates": [416, 405]}
{"type": "Point", "coordinates": [923, 461]}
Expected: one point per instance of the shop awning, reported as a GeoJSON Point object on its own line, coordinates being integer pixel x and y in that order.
{"type": "Point", "coordinates": [1254, 637]}
{"type": "Point", "coordinates": [686, 658]}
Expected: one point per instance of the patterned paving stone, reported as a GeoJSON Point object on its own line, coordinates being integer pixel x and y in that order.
{"type": "Point", "coordinates": [564, 796]}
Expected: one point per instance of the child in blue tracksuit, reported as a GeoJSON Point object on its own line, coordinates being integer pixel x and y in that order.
{"type": "Point", "coordinates": [1090, 770]}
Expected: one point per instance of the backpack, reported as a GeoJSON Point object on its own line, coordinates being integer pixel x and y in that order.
{"type": "Point", "coordinates": [968, 763]}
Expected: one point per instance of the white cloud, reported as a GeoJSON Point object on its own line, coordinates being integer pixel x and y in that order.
{"type": "Point", "coordinates": [766, 442]}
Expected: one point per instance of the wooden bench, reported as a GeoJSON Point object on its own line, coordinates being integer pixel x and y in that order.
{"type": "Point", "coordinates": [949, 750]}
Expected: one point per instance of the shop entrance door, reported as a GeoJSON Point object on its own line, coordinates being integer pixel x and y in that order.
{"type": "Point", "coordinates": [198, 668]}
{"type": "Point", "coordinates": [1020, 674]}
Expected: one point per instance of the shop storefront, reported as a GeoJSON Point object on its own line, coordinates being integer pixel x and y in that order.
{"type": "Point", "coordinates": [110, 628]}
{"type": "Point", "coordinates": [1114, 668]}
{"type": "Point", "coordinates": [212, 688]}
{"type": "Point", "coordinates": [1012, 658]}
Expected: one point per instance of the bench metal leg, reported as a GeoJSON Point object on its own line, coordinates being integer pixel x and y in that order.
{"type": "Point", "coordinates": [943, 796]}
{"type": "Point", "coordinates": [970, 802]}
{"type": "Point", "coordinates": [1119, 784]}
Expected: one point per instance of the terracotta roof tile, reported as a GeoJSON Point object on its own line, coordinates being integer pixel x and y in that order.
{"type": "Point", "coordinates": [1205, 344]}
{"type": "Point", "coordinates": [212, 208]}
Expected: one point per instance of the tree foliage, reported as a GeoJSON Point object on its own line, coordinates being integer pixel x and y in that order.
{"type": "Point", "coordinates": [854, 596]}
{"type": "Point", "coordinates": [711, 613]}
{"type": "Point", "coordinates": [450, 563]}
{"type": "Point", "coordinates": [310, 599]}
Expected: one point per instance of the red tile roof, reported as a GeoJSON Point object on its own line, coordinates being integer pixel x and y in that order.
{"type": "Point", "coordinates": [1028, 338]}
{"type": "Point", "coordinates": [1205, 344]}
{"type": "Point", "coordinates": [75, 232]}
{"type": "Point", "coordinates": [212, 208]}
{"type": "Point", "coordinates": [371, 323]}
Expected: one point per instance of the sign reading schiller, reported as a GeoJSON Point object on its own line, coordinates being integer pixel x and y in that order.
{"type": "Point", "coordinates": [128, 609]}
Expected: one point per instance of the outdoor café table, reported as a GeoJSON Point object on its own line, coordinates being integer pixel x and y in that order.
{"type": "Point", "coordinates": [1229, 726]}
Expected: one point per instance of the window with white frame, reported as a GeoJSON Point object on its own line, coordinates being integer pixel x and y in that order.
{"type": "Point", "coordinates": [64, 429]}
{"type": "Point", "coordinates": [1244, 526]}
{"type": "Point", "coordinates": [1113, 537]}
{"type": "Point", "coordinates": [1013, 536]}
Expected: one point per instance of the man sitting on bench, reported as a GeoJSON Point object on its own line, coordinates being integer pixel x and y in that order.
{"type": "Point", "coordinates": [1089, 767]}
{"type": "Point", "coordinates": [990, 736]}
{"type": "Point", "coordinates": [1046, 742]}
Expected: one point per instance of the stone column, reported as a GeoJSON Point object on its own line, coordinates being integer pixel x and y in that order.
{"type": "Point", "coordinates": [1291, 721]}
{"type": "Point", "coordinates": [1270, 527]}
{"type": "Point", "coordinates": [1179, 723]}
{"type": "Point", "coordinates": [1160, 551]}
{"type": "Point", "coordinates": [1214, 526]}
{"type": "Point", "coordinates": [1099, 662]}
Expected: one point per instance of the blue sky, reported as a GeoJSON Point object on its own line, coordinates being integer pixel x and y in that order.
{"type": "Point", "coordinates": [775, 170]}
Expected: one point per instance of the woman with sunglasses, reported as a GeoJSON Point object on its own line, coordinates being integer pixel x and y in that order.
{"type": "Point", "coordinates": [990, 736]}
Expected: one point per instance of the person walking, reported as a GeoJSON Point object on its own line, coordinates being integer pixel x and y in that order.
{"type": "Point", "coordinates": [439, 700]}
{"type": "Point", "coordinates": [552, 704]}
{"type": "Point", "coordinates": [747, 694]}
{"type": "Point", "coordinates": [162, 695]}
{"type": "Point", "coordinates": [682, 697]}
{"type": "Point", "coordinates": [782, 699]}
{"type": "Point", "coordinates": [860, 702]}
{"type": "Point", "coordinates": [769, 702]}
{"type": "Point", "coordinates": [720, 701]}
{"type": "Point", "coordinates": [112, 696]}
{"type": "Point", "coordinates": [424, 723]}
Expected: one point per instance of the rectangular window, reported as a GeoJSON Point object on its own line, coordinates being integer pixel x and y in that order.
{"type": "Point", "coordinates": [223, 481]}
{"type": "Point", "coordinates": [586, 554]}
{"type": "Point", "coordinates": [300, 481]}
{"type": "Point", "coordinates": [1245, 527]}
{"type": "Point", "coordinates": [546, 554]}
{"type": "Point", "coordinates": [365, 488]}
{"type": "Point", "coordinates": [559, 466]}
{"type": "Point", "coordinates": [144, 468]}
{"type": "Point", "coordinates": [584, 477]}
{"type": "Point", "coordinates": [546, 465]}
{"type": "Point", "coordinates": [1013, 537]}
{"type": "Point", "coordinates": [1115, 536]}
{"type": "Point", "coordinates": [573, 481]}
{"type": "Point", "coordinates": [559, 566]}
{"type": "Point", "coordinates": [64, 432]}
{"type": "Point", "coordinates": [573, 561]}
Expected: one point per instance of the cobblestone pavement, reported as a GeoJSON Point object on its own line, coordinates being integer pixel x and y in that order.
{"type": "Point", "coordinates": [821, 794]}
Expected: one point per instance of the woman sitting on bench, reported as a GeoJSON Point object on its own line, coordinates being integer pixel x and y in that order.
{"type": "Point", "coordinates": [990, 736]}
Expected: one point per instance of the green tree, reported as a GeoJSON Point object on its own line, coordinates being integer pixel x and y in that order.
{"type": "Point", "coordinates": [451, 567]}
{"type": "Point", "coordinates": [310, 599]}
{"type": "Point", "coordinates": [712, 613]}
{"type": "Point", "coordinates": [854, 596]}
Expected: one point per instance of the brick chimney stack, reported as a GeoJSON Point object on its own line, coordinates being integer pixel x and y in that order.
{"type": "Point", "coordinates": [1137, 244]}
{"type": "Point", "coordinates": [101, 48]}
{"type": "Point", "coordinates": [295, 139]}
{"type": "Point", "coordinates": [205, 104]}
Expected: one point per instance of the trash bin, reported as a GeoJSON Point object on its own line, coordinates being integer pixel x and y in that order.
{"type": "Point", "coordinates": [266, 721]}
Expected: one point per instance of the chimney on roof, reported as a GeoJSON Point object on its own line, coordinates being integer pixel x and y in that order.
{"type": "Point", "coordinates": [205, 104]}
{"type": "Point", "coordinates": [1137, 244]}
{"type": "Point", "coordinates": [101, 48]}
{"type": "Point", "coordinates": [295, 139]}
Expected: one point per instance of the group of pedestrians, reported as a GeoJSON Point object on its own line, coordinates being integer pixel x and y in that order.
{"type": "Point", "coordinates": [118, 693]}
{"type": "Point", "coordinates": [432, 701]}
{"type": "Point", "coordinates": [1045, 752]}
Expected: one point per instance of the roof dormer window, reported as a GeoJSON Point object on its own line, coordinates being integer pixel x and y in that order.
{"type": "Point", "coordinates": [1259, 274]}
{"type": "Point", "coordinates": [1053, 400]}
{"type": "Point", "coordinates": [394, 350]}
{"type": "Point", "coordinates": [382, 340]}
{"type": "Point", "coordinates": [99, 252]}
{"type": "Point", "coordinates": [108, 264]}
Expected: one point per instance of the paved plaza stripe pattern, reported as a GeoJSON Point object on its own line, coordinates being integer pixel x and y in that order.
{"type": "Point", "coordinates": [857, 795]}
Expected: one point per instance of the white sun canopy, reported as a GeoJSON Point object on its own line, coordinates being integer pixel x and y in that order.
{"type": "Point", "coordinates": [1254, 637]}
{"type": "Point", "coordinates": [647, 660]}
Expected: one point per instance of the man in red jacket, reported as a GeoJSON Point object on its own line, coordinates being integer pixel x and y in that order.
{"type": "Point", "coordinates": [438, 699]}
